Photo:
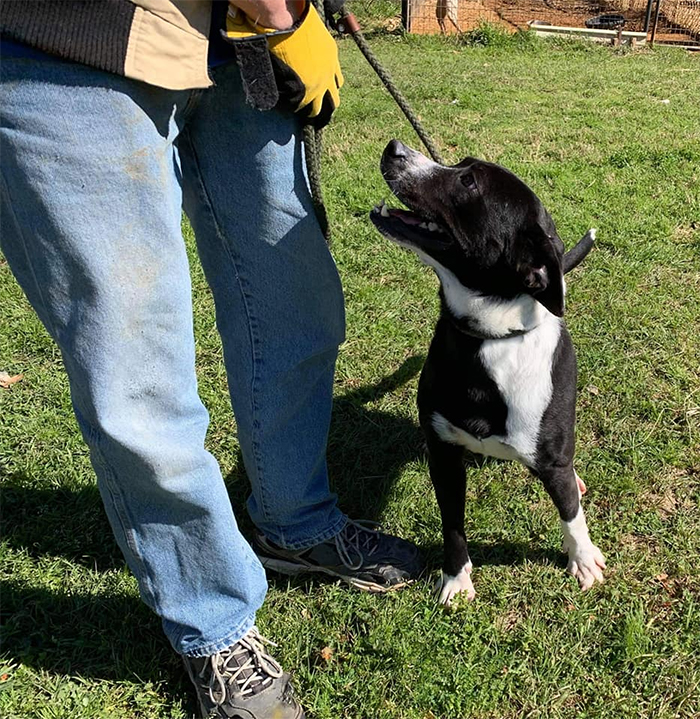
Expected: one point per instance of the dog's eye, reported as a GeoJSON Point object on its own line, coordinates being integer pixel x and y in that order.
{"type": "Point", "coordinates": [468, 181]}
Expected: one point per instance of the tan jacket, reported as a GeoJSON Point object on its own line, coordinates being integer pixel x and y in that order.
{"type": "Point", "coordinates": [168, 43]}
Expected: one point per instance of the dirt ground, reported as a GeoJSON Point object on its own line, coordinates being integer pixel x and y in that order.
{"type": "Point", "coordinates": [515, 14]}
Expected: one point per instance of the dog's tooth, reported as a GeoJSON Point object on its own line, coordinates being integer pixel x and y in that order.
{"type": "Point", "coordinates": [423, 225]}
{"type": "Point", "coordinates": [432, 226]}
{"type": "Point", "coordinates": [383, 211]}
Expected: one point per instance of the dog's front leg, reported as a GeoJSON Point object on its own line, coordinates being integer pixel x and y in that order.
{"type": "Point", "coordinates": [586, 561]}
{"type": "Point", "coordinates": [448, 477]}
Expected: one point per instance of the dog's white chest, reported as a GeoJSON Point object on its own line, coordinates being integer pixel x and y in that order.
{"type": "Point", "coordinates": [521, 367]}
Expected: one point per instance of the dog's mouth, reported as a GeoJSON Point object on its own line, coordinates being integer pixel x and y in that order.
{"type": "Point", "coordinates": [406, 227]}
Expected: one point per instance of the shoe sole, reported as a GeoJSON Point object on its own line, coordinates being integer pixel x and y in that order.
{"type": "Point", "coordinates": [204, 714]}
{"type": "Point", "coordinates": [291, 569]}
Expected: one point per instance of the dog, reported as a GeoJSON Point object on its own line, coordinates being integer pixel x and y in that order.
{"type": "Point", "coordinates": [447, 9]}
{"type": "Point", "coordinates": [500, 376]}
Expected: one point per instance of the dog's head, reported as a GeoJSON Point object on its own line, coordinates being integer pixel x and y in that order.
{"type": "Point", "coordinates": [475, 223]}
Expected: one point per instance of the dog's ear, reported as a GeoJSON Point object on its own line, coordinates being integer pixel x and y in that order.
{"type": "Point", "coordinates": [542, 274]}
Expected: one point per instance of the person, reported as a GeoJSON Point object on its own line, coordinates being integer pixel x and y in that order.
{"type": "Point", "coordinates": [115, 116]}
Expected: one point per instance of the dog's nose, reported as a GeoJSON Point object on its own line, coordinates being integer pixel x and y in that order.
{"type": "Point", "coordinates": [395, 149]}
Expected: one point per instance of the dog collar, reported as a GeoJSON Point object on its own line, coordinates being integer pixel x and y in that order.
{"type": "Point", "coordinates": [466, 327]}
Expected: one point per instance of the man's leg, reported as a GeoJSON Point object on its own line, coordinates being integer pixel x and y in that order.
{"type": "Point", "coordinates": [278, 299]}
{"type": "Point", "coordinates": [279, 310]}
{"type": "Point", "coordinates": [91, 210]}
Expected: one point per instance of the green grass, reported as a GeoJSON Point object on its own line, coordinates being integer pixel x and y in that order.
{"type": "Point", "coordinates": [587, 129]}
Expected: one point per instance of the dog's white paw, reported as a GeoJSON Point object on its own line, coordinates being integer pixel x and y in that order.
{"type": "Point", "coordinates": [587, 565]}
{"type": "Point", "coordinates": [448, 586]}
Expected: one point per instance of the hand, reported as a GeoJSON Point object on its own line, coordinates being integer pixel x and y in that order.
{"type": "Point", "coordinates": [273, 14]}
{"type": "Point", "coordinates": [304, 61]}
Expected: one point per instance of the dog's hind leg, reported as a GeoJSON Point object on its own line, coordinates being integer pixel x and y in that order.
{"type": "Point", "coordinates": [448, 477]}
{"type": "Point", "coordinates": [586, 561]}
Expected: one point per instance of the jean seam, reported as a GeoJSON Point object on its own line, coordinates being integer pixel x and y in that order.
{"type": "Point", "coordinates": [252, 324]}
{"type": "Point", "coordinates": [191, 105]}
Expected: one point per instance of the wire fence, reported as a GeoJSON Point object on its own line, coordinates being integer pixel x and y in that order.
{"type": "Point", "coordinates": [672, 22]}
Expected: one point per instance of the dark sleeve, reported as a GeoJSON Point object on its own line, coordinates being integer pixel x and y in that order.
{"type": "Point", "coordinates": [93, 32]}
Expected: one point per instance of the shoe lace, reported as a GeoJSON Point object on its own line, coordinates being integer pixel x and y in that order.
{"type": "Point", "coordinates": [245, 664]}
{"type": "Point", "coordinates": [360, 537]}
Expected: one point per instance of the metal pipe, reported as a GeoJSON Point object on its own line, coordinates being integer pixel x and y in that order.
{"type": "Point", "coordinates": [647, 18]}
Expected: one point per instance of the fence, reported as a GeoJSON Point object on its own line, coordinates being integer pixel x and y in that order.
{"type": "Point", "coordinates": [674, 22]}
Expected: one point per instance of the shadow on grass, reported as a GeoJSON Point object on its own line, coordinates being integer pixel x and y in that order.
{"type": "Point", "coordinates": [118, 638]}
{"type": "Point", "coordinates": [112, 637]}
{"type": "Point", "coordinates": [69, 523]}
{"type": "Point", "coordinates": [482, 555]}
{"type": "Point", "coordinates": [367, 450]}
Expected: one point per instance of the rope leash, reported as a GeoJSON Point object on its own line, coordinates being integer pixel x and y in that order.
{"type": "Point", "coordinates": [347, 23]}
{"type": "Point", "coordinates": [313, 148]}
{"type": "Point", "coordinates": [344, 22]}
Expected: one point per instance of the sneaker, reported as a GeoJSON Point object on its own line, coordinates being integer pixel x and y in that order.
{"type": "Point", "coordinates": [360, 555]}
{"type": "Point", "coordinates": [243, 682]}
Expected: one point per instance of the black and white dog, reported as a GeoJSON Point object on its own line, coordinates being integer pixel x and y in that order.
{"type": "Point", "coordinates": [500, 377]}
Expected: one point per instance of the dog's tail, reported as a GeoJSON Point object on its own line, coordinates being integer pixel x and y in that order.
{"type": "Point", "coordinates": [576, 254]}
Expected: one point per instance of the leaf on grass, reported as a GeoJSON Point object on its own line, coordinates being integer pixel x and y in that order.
{"type": "Point", "coordinates": [7, 381]}
{"type": "Point", "coordinates": [668, 583]}
{"type": "Point", "coordinates": [326, 654]}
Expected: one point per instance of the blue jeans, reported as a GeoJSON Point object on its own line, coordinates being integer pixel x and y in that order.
{"type": "Point", "coordinates": [95, 172]}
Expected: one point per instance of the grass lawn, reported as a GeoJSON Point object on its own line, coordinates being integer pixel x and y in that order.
{"type": "Point", "coordinates": [608, 140]}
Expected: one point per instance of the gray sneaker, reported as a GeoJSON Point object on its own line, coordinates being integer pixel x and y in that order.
{"type": "Point", "coordinates": [243, 682]}
{"type": "Point", "coordinates": [360, 555]}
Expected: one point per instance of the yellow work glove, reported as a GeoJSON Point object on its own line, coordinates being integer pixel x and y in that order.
{"type": "Point", "coordinates": [304, 61]}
